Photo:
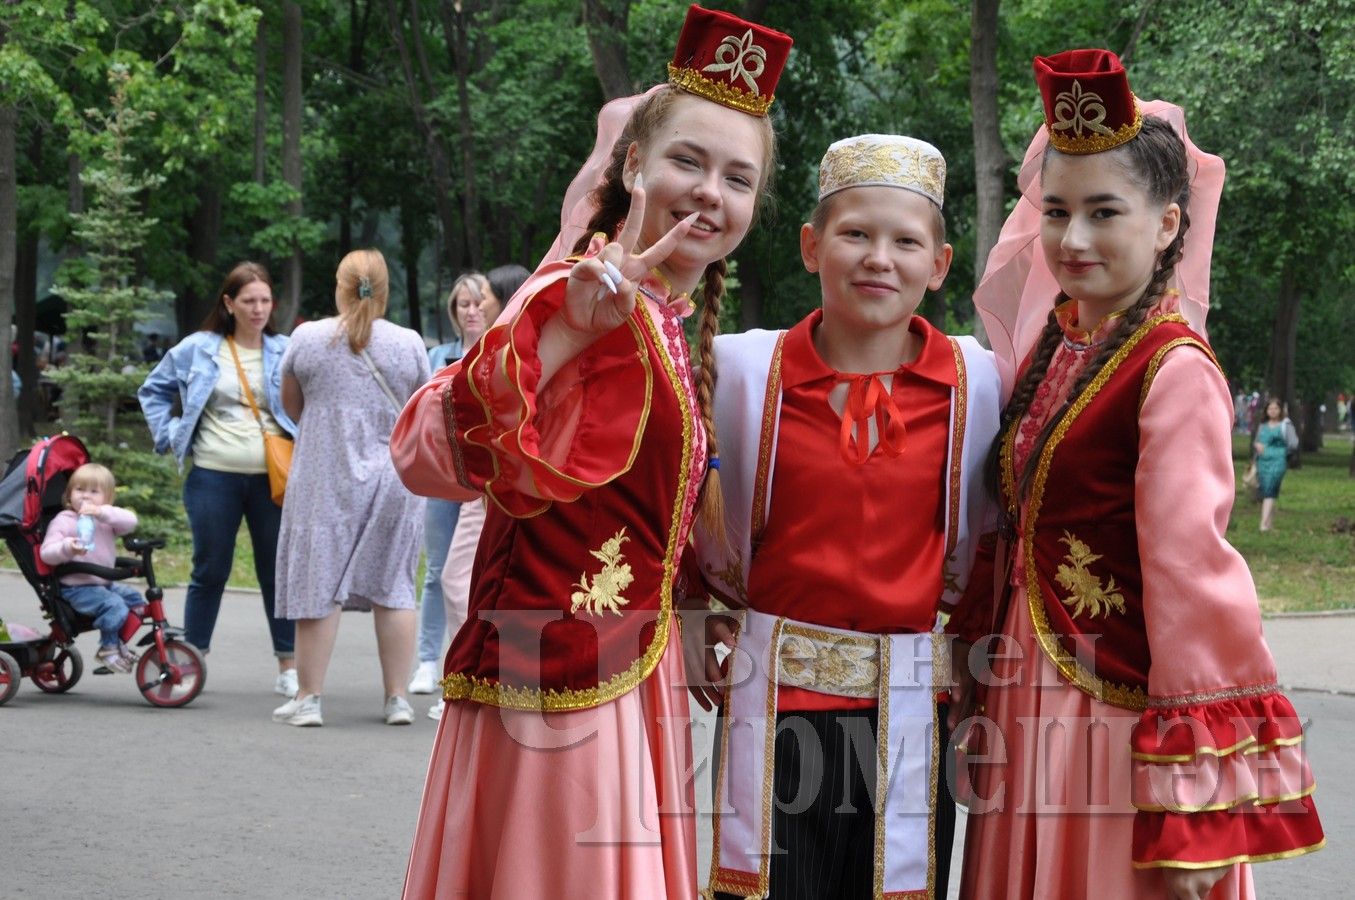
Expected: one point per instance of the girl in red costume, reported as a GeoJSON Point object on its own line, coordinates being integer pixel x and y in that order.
{"type": "Point", "coordinates": [1134, 742]}
{"type": "Point", "coordinates": [561, 765]}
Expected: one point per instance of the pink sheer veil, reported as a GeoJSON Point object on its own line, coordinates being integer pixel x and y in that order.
{"type": "Point", "coordinates": [1018, 289]}
{"type": "Point", "coordinates": [577, 208]}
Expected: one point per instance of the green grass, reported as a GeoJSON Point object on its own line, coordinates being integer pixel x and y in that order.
{"type": "Point", "coordinates": [1301, 565]}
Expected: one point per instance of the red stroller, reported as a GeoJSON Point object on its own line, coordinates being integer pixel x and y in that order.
{"type": "Point", "coordinates": [169, 671]}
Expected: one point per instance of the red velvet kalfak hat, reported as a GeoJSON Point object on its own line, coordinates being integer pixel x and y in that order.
{"type": "Point", "coordinates": [1088, 107]}
{"type": "Point", "coordinates": [729, 60]}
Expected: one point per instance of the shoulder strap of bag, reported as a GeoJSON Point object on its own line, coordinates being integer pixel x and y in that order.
{"type": "Point", "coordinates": [244, 382]}
{"type": "Point", "coordinates": [385, 388]}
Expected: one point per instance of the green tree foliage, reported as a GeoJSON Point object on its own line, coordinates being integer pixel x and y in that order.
{"type": "Point", "coordinates": [510, 92]}
{"type": "Point", "coordinates": [105, 301]}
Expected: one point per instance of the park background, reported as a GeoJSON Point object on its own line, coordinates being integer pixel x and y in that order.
{"type": "Point", "coordinates": [146, 146]}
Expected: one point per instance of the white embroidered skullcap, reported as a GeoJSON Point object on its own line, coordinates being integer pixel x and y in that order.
{"type": "Point", "coordinates": [890, 160]}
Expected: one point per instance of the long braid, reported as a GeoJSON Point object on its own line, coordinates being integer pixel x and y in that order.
{"type": "Point", "coordinates": [1022, 396]}
{"type": "Point", "coordinates": [712, 502]}
{"type": "Point", "coordinates": [1134, 316]}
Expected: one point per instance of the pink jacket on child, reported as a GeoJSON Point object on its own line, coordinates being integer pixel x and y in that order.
{"type": "Point", "coordinates": [109, 523]}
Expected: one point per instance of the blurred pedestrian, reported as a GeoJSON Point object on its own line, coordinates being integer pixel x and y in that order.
{"type": "Point", "coordinates": [1275, 440]}
{"type": "Point", "coordinates": [458, 558]}
{"type": "Point", "coordinates": [350, 531]}
{"type": "Point", "coordinates": [468, 293]}
{"type": "Point", "coordinates": [205, 376]}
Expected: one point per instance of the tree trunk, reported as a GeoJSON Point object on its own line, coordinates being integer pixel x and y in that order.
{"type": "Point", "coordinates": [26, 309]}
{"type": "Point", "coordinates": [438, 158]}
{"type": "Point", "coordinates": [606, 22]}
{"type": "Point", "coordinates": [204, 232]}
{"type": "Point", "coordinates": [25, 323]}
{"type": "Point", "coordinates": [1284, 340]}
{"type": "Point", "coordinates": [291, 154]}
{"type": "Point", "coordinates": [261, 102]}
{"type": "Point", "coordinates": [357, 39]}
{"type": "Point", "coordinates": [411, 246]}
{"type": "Point", "coordinates": [455, 24]}
{"type": "Point", "coordinates": [9, 232]}
{"type": "Point", "coordinates": [990, 158]}
{"type": "Point", "coordinates": [412, 289]}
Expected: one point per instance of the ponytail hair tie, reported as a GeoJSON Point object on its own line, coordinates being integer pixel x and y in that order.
{"type": "Point", "coordinates": [364, 288]}
{"type": "Point", "coordinates": [714, 463]}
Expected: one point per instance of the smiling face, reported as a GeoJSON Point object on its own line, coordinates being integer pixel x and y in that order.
{"type": "Point", "coordinates": [702, 158]}
{"type": "Point", "coordinates": [876, 254]}
{"type": "Point", "coordinates": [1100, 231]}
{"type": "Point", "coordinates": [251, 306]}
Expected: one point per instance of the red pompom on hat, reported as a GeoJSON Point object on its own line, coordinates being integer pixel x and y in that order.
{"type": "Point", "coordinates": [729, 60]}
{"type": "Point", "coordinates": [1088, 106]}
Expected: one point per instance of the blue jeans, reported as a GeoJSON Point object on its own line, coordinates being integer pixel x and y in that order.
{"type": "Point", "coordinates": [439, 521]}
{"type": "Point", "coordinates": [106, 604]}
{"type": "Point", "coordinates": [216, 502]}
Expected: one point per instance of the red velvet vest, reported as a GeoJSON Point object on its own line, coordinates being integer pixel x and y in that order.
{"type": "Point", "coordinates": [525, 646]}
{"type": "Point", "coordinates": [1080, 544]}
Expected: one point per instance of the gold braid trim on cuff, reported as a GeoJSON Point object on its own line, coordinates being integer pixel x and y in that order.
{"type": "Point", "coordinates": [1230, 861]}
{"type": "Point", "coordinates": [694, 82]}
{"type": "Point", "coordinates": [1254, 798]}
{"type": "Point", "coordinates": [1248, 746]}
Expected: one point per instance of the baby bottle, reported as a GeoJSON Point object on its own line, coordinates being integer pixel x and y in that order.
{"type": "Point", "coordinates": [84, 529]}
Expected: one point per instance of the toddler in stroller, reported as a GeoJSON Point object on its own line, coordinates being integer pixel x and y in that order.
{"type": "Point", "coordinates": [115, 608]}
{"type": "Point", "coordinates": [34, 495]}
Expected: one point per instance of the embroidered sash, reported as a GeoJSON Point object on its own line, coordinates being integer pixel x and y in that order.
{"type": "Point", "coordinates": [904, 672]}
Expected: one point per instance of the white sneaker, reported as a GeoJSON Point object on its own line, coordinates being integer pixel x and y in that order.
{"type": "Point", "coordinates": [286, 685]}
{"type": "Point", "coordinates": [426, 677]}
{"type": "Point", "coordinates": [300, 711]}
{"type": "Point", "coordinates": [435, 711]}
{"type": "Point", "coordinates": [398, 711]}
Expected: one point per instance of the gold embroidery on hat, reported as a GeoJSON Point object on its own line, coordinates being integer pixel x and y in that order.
{"type": "Point", "coordinates": [741, 58]}
{"type": "Point", "coordinates": [873, 163]}
{"type": "Point", "coordinates": [1085, 589]}
{"type": "Point", "coordinates": [1078, 109]}
{"type": "Point", "coordinates": [604, 594]}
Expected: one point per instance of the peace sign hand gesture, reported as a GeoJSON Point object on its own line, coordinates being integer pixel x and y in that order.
{"type": "Point", "coordinates": [600, 294]}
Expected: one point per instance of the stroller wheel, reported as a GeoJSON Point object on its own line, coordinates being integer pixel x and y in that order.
{"type": "Point", "coordinates": [59, 670]}
{"type": "Point", "coordinates": [10, 675]}
{"type": "Point", "coordinates": [176, 681]}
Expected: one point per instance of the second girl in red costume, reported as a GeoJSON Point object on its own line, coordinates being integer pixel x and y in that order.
{"type": "Point", "coordinates": [1135, 741]}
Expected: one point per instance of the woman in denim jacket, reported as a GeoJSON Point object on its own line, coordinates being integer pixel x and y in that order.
{"type": "Point", "coordinates": [198, 378]}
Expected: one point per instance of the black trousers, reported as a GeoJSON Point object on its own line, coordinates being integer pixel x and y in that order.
{"type": "Point", "coordinates": [823, 820]}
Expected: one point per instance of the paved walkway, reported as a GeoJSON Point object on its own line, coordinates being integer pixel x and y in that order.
{"type": "Point", "coordinates": [102, 795]}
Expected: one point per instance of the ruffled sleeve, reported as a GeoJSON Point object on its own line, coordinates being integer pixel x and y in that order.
{"type": "Point", "coordinates": [522, 445]}
{"type": "Point", "coordinates": [1220, 774]}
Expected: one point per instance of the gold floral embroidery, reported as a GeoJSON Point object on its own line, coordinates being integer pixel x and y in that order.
{"type": "Point", "coordinates": [732, 576]}
{"type": "Point", "coordinates": [844, 667]}
{"type": "Point", "coordinates": [868, 162]}
{"type": "Point", "coordinates": [604, 594]}
{"type": "Point", "coordinates": [1088, 595]}
{"type": "Point", "coordinates": [741, 58]}
{"type": "Point", "coordinates": [1078, 109]}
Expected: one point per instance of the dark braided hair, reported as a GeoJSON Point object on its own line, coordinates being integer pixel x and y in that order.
{"type": "Point", "coordinates": [1156, 159]}
{"type": "Point", "coordinates": [612, 201]}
